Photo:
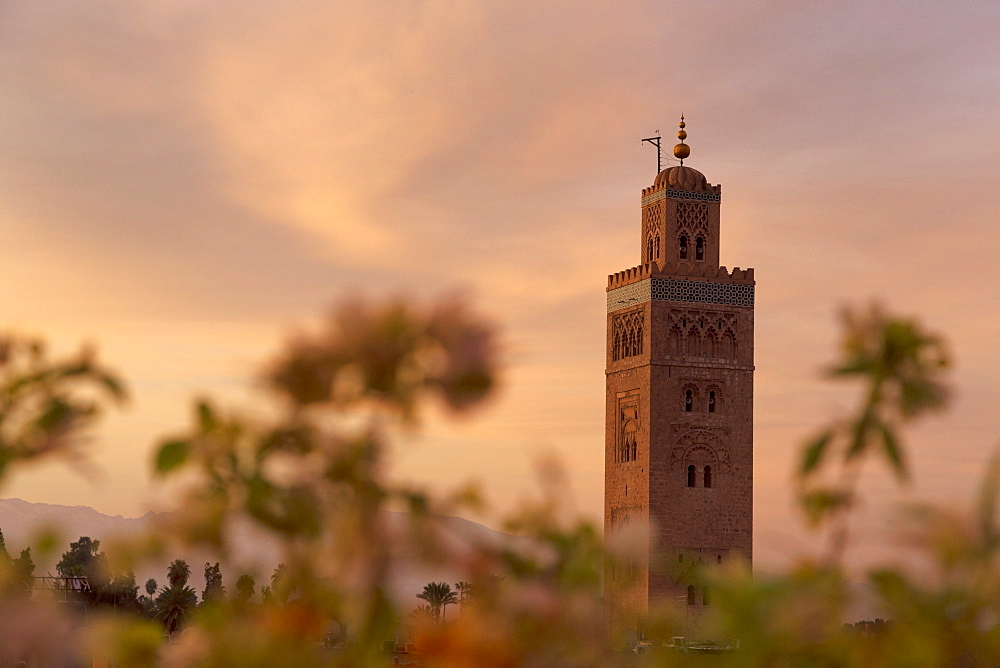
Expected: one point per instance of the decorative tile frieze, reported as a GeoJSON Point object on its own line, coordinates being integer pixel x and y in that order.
{"type": "Point", "coordinates": [629, 295]}
{"type": "Point", "coordinates": [674, 290]}
{"type": "Point", "coordinates": [681, 194]}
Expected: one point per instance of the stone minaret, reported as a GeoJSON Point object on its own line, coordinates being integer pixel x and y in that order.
{"type": "Point", "coordinates": [678, 454]}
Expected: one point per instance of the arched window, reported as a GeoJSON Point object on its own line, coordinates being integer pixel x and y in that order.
{"type": "Point", "coordinates": [680, 558]}
{"type": "Point", "coordinates": [699, 248]}
{"type": "Point", "coordinates": [674, 342]}
{"type": "Point", "coordinates": [728, 344]}
{"type": "Point", "coordinates": [704, 596]}
{"type": "Point", "coordinates": [708, 344]}
{"type": "Point", "coordinates": [691, 475]}
{"type": "Point", "coordinates": [688, 401]}
{"type": "Point", "coordinates": [649, 249]}
{"type": "Point", "coordinates": [684, 247]}
{"type": "Point", "coordinates": [718, 559]}
{"type": "Point", "coordinates": [690, 594]}
{"type": "Point", "coordinates": [711, 401]}
{"type": "Point", "coordinates": [630, 437]}
{"type": "Point", "coordinates": [657, 255]}
{"type": "Point", "coordinates": [708, 476]}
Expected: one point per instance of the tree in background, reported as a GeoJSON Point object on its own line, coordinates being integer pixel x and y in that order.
{"type": "Point", "coordinates": [121, 594]}
{"type": "Point", "coordinates": [245, 587]}
{"type": "Point", "coordinates": [174, 606]}
{"type": "Point", "coordinates": [16, 575]}
{"type": "Point", "coordinates": [213, 583]}
{"type": "Point", "coordinates": [464, 590]}
{"type": "Point", "coordinates": [281, 586]}
{"type": "Point", "coordinates": [178, 573]}
{"type": "Point", "coordinates": [422, 616]}
{"type": "Point", "coordinates": [22, 574]}
{"type": "Point", "coordinates": [80, 559]}
{"type": "Point", "coordinates": [6, 573]}
{"type": "Point", "coordinates": [177, 602]}
{"type": "Point", "coordinates": [83, 560]}
{"type": "Point", "coordinates": [117, 591]}
{"type": "Point", "coordinates": [147, 601]}
{"type": "Point", "coordinates": [439, 596]}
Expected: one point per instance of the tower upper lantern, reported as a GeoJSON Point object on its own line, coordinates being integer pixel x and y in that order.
{"type": "Point", "coordinates": [680, 218]}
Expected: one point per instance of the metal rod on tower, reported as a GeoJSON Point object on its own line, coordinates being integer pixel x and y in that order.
{"type": "Point", "coordinates": [655, 141]}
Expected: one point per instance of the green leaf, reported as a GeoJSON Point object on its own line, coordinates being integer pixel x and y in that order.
{"type": "Point", "coordinates": [56, 415]}
{"type": "Point", "coordinates": [814, 451]}
{"type": "Point", "coordinates": [171, 455]}
{"type": "Point", "coordinates": [114, 386]}
{"type": "Point", "coordinates": [820, 503]}
{"type": "Point", "coordinates": [893, 453]}
{"type": "Point", "coordinates": [207, 420]}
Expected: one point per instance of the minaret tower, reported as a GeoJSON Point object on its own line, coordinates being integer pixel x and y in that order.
{"type": "Point", "coordinates": [679, 409]}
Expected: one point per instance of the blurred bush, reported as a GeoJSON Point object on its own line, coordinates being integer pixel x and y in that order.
{"type": "Point", "coordinates": [311, 476]}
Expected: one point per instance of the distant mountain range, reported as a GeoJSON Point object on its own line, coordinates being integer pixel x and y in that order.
{"type": "Point", "coordinates": [256, 551]}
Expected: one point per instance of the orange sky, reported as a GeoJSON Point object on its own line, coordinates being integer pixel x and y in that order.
{"type": "Point", "coordinates": [185, 182]}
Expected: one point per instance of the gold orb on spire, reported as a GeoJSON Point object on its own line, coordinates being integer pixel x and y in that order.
{"type": "Point", "coordinates": [682, 150]}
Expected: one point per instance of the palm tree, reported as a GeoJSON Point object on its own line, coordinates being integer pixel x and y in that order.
{"type": "Point", "coordinates": [438, 595]}
{"type": "Point", "coordinates": [422, 615]}
{"type": "Point", "coordinates": [174, 605]}
{"type": "Point", "coordinates": [245, 588]}
{"type": "Point", "coordinates": [464, 592]}
{"type": "Point", "coordinates": [150, 587]}
{"type": "Point", "coordinates": [178, 573]}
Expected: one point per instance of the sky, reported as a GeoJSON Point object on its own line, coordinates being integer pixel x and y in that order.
{"type": "Point", "coordinates": [186, 183]}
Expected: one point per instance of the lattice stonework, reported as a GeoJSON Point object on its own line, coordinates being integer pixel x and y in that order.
{"type": "Point", "coordinates": [627, 330]}
{"type": "Point", "coordinates": [651, 218]}
{"type": "Point", "coordinates": [674, 290]}
{"type": "Point", "coordinates": [692, 215]}
{"type": "Point", "coordinates": [681, 194]}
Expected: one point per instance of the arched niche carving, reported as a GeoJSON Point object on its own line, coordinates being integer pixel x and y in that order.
{"type": "Point", "coordinates": [700, 448]}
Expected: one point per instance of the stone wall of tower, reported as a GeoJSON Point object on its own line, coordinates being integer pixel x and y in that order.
{"type": "Point", "coordinates": [679, 407]}
{"type": "Point", "coordinates": [626, 482]}
{"type": "Point", "coordinates": [699, 525]}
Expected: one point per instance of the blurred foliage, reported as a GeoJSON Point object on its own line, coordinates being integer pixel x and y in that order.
{"type": "Point", "coordinates": [311, 475]}
{"type": "Point", "coordinates": [900, 367]}
{"type": "Point", "coordinates": [46, 405]}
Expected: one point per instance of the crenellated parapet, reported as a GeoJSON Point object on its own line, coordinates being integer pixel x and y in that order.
{"type": "Point", "coordinates": [632, 275]}
{"type": "Point", "coordinates": [702, 270]}
{"type": "Point", "coordinates": [681, 271]}
{"type": "Point", "coordinates": [721, 287]}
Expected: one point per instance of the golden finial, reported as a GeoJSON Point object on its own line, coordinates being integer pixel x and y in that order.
{"type": "Point", "coordinates": [682, 150]}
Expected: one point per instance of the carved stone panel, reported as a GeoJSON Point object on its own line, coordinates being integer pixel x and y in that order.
{"type": "Point", "coordinates": [628, 427]}
{"type": "Point", "coordinates": [700, 447]}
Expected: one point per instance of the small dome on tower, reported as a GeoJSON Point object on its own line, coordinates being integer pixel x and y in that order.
{"type": "Point", "coordinates": [683, 177]}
